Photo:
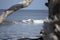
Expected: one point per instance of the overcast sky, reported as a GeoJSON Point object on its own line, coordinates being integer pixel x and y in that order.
{"type": "Point", "coordinates": [35, 5]}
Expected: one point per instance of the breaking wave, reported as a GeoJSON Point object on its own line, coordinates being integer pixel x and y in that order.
{"type": "Point", "coordinates": [29, 21]}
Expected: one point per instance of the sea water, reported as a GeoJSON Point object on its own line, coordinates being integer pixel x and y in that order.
{"type": "Point", "coordinates": [12, 30]}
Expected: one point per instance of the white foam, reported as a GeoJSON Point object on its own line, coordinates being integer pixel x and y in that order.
{"type": "Point", "coordinates": [33, 21]}
{"type": "Point", "coordinates": [38, 21]}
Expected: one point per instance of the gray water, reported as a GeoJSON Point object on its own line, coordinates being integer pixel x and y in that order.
{"type": "Point", "coordinates": [13, 31]}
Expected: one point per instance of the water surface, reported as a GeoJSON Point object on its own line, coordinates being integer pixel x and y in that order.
{"type": "Point", "coordinates": [20, 30]}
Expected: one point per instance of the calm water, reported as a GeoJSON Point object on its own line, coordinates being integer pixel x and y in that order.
{"type": "Point", "coordinates": [20, 30]}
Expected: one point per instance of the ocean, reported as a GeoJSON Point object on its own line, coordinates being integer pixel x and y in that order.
{"type": "Point", "coordinates": [14, 28]}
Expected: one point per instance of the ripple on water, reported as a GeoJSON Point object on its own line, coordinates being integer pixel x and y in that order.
{"type": "Point", "coordinates": [20, 30]}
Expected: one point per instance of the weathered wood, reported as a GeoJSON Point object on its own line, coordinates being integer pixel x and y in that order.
{"type": "Point", "coordinates": [51, 26]}
{"type": "Point", "coordinates": [14, 8]}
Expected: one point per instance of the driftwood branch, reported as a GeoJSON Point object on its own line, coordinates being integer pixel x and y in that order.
{"type": "Point", "coordinates": [14, 8]}
{"type": "Point", "coordinates": [51, 27]}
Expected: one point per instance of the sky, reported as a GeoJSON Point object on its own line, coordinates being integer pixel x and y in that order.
{"type": "Point", "coordinates": [35, 5]}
